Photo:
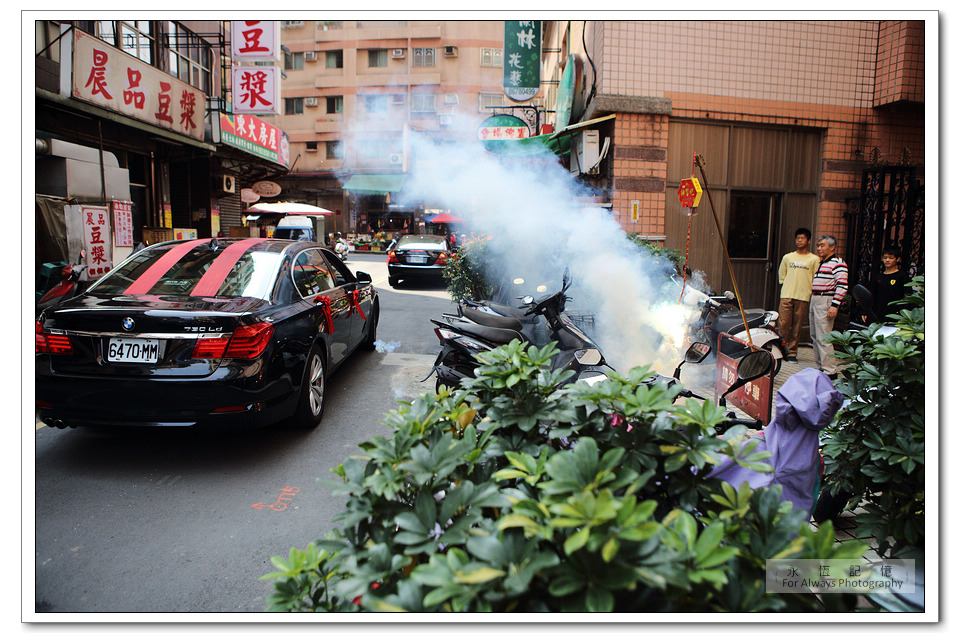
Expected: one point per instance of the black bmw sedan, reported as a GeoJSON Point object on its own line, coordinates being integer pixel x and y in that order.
{"type": "Point", "coordinates": [212, 332]}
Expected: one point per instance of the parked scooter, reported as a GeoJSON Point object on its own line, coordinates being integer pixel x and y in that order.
{"type": "Point", "coordinates": [70, 285]}
{"type": "Point", "coordinates": [342, 248]}
{"type": "Point", "coordinates": [722, 315]}
{"type": "Point", "coordinates": [754, 365]}
{"type": "Point", "coordinates": [483, 326]}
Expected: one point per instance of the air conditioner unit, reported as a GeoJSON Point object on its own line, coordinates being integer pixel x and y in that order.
{"type": "Point", "coordinates": [396, 159]}
{"type": "Point", "coordinates": [450, 51]}
{"type": "Point", "coordinates": [310, 56]}
{"type": "Point", "coordinates": [398, 53]}
{"type": "Point", "coordinates": [229, 184]}
{"type": "Point", "coordinates": [586, 153]}
{"type": "Point", "coordinates": [446, 119]}
{"type": "Point", "coordinates": [451, 99]}
{"type": "Point", "coordinates": [312, 101]}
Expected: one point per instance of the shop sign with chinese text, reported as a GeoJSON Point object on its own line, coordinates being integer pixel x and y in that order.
{"type": "Point", "coordinates": [96, 240]}
{"type": "Point", "coordinates": [255, 136]}
{"type": "Point", "coordinates": [256, 90]}
{"type": "Point", "coordinates": [521, 59]}
{"type": "Point", "coordinates": [117, 81]}
{"type": "Point", "coordinates": [255, 40]}
{"type": "Point", "coordinates": [123, 224]}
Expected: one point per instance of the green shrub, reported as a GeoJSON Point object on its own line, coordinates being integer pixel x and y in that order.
{"type": "Point", "coordinates": [874, 449]}
{"type": "Point", "coordinates": [468, 272]}
{"type": "Point", "coordinates": [516, 495]}
{"type": "Point", "coordinates": [671, 255]}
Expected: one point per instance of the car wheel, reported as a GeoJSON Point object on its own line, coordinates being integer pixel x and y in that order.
{"type": "Point", "coordinates": [312, 390]}
{"type": "Point", "coordinates": [370, 341]}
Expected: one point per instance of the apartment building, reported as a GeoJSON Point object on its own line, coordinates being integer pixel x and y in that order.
{"type": "Point", "coordinates": [792, 120]}
{"type": "Point", "coordinates": [355, 90]}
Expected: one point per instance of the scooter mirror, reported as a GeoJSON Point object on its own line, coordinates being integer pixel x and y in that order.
{"type": "Point", "coordinates": [753, 366]}
{"type": "Point", "coordinates": [697, 352]}
{"type": "Point", "coordinates": [527, 300]}
{"type": "Point", "coordinates": [864, 298]}
{"type": "Point", "coordinates": [756, 364]}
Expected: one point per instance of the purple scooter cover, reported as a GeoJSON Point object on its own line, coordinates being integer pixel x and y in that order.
{"type": "Point", "coordinates": [806, 403]}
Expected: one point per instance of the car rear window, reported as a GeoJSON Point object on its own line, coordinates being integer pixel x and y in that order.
{"type": "Point", "coordinates": [253, 274]}
{"type": "Point", "coordinates": [422, 243]}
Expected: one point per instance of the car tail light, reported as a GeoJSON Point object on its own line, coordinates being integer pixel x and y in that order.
{"type": "Point", "coordinates": [247, 342]}
{"type": "Point", "coordinates": [250, 341]}
{"type": "Point", "coordinates": [210, 347]}
{"type": "Point", "coordinates": [392, 257]}
{"type": "Point", "coordinates": [56, 344]}
{"type": "Point", "coordinates": [442, 259]}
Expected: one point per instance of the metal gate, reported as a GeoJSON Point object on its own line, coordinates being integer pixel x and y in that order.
{"type": "Point", "coordinates": [889, 213]}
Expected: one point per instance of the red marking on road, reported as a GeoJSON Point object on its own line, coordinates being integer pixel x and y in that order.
{"type": "Point", "coordinates": [286, 494]}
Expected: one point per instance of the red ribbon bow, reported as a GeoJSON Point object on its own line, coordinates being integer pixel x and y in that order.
{"type": "Point", "coordinates": [355, 300]}
{"type": "Point", "coordinates": [326, 306]}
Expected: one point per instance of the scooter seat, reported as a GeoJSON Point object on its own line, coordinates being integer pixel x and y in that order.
{"type": "Point", "coordinates": [493, 321]}
{"type": "Point", "coordinates": [494, 335]}
{"type": "Point", "coordinates": [732, 323]}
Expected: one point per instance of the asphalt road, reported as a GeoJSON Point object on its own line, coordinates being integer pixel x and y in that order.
{"type": "Point", "coordinates": [151, 522]}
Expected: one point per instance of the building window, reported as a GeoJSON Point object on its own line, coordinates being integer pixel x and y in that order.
{"type": "Point", "coordinates": [335, 59]}
{"type": "Point", "coordinates": [334, 104]}
{"type": "Point", "coordinates": [375, 103]}
{"type": "Point", "coordinates": [191, 58]}
{"type": "Point", "coordinates": [136, 37]}
{"type": "Point", "coordinates": [423, 102]}
{"type": "Point", "coordinates": [490, 57]}
{"type": "Point", "coordinates": [424, 57]}
{"type": "Point", "coordinates": [291, 24]}
{"type": "Point", "coordinates": [293, 105]}
{"type": "Point", "coordinates": [293, 60]}
{"type": "Point", "coordinates": [312, 147]}
{"type": "Point", "coordinates": [334, 150]}
{"type": "Point", "coordinates": [377, 57]}
{"type": "Point", "coordinates": [490, 100]}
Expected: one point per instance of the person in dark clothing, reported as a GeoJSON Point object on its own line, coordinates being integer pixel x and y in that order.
{"type": "Point", "coordinates": [889, 286]}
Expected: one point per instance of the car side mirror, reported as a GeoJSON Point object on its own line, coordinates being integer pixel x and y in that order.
{"type": "Point", "coordinates": [363, 278]}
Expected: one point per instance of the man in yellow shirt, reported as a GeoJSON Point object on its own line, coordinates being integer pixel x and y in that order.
{"type": "Point", "coordinates": [796, 276]}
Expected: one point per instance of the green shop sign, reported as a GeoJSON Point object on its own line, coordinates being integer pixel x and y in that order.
{"type": "Point", "coordinates": [521, 59]}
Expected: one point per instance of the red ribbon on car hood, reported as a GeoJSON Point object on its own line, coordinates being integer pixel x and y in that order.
{"type": "Point", "coordinates": [355, 301]}
{"type": "Point", "coordinates": [326, 306]}
{"type": "Point", "coordinates": [152, 275]}
{"type": "Point", "coordinates": [215, 275]}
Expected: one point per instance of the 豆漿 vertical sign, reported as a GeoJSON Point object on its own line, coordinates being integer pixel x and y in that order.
{"type": "Point", "coordinates": [521, 59]}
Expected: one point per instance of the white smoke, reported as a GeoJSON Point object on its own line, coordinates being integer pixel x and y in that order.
{"type": "Point", "coordinates": [529, 207]}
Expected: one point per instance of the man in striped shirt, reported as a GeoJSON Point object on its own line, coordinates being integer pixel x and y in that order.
{"type": "Point", "coordinates": [828, 289]}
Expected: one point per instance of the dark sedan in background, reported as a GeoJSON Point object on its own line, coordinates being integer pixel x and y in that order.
{"type": "Point", "coordinates": [212, 332]}
{"type": "Point", "coordinates": [417, 256]}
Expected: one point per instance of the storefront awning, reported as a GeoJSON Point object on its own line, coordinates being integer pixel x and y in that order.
{"type": "Point", "coordinates": [534, 146]}
{"type": "Point", "coordinates": [576, 127]}
{"type": "Point", "coordinates": [375, 183]}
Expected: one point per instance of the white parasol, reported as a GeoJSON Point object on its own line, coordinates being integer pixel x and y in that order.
{"type": "Point", "coordinates": [286, 207]}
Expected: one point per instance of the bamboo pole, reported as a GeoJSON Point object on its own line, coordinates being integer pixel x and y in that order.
{"type": "Point", "coordinates": [723, 244]}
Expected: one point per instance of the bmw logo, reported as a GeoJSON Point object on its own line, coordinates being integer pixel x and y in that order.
{"type": "Point", "coordinates": [127, 323]}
